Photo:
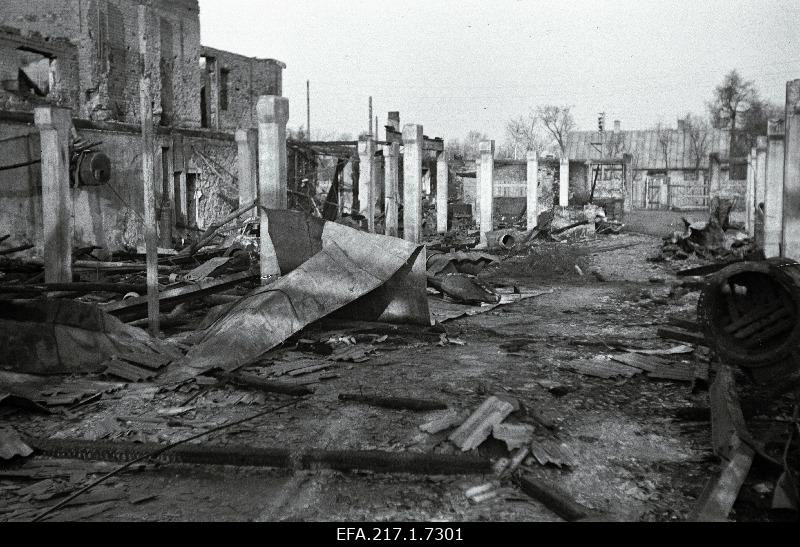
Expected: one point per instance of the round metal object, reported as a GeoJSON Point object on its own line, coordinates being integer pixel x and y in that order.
{"type": "Point", "coordinates": [750, 310]}
{"type": "Point", "coordinates": [94, 169]}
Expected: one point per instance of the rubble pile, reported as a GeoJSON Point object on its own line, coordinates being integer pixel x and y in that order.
{"type": "Point", "coordinates": [714, 239]}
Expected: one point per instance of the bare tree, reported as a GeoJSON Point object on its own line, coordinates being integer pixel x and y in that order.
{"type": "Point", "coordinates": [664, 137]}
{"type": "Point", "coordinates": [469, 148]}
{"type": "Point", "coordinates": [614, 145]}
{"type": "Point", "coordinates": [524, 134]}
{"type": "Point", "coordinates": [698, 131]}
{"type": "Point", "coordinates": [559, 122]}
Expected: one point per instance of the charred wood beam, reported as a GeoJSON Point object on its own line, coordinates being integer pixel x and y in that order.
{"type": "Point", "coordinates": [203, 454]}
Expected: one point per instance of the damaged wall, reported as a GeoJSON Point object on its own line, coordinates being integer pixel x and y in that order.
{"type": "Point", "coordinates": [233, 84]}
{"type": "Point", "coordinates": [110, 216]}
{"type": "Point", "coordinates": [105, 33]}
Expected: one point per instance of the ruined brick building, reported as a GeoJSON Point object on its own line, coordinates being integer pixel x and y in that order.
{"type": "Point", "coordinates": [84, 55]}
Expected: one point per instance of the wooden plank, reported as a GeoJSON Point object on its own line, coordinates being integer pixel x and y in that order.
{"type": "Point", "coordinates": [720, 493]}
{"type": "Point", "coordinates": [207, 268]}
{"type": "Point", "coordinates": [683, 336]}
{"type": "Point", "coordinates": [148, 175]}
{"type": "Point", "coordinates": [602, 369]}
{"type": "Point", "coordinates": [136, 308]}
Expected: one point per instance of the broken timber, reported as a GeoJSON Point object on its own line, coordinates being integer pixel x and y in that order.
{"type": "Point", "coordinates": [399, 403]}
{"type": "Point", "coordinates": [683, 336]}
{"type": "Point", "coordinates": [136, 308]}
{"type": "Point", "coordinates": [553, 498]}
{"type": "Point", "coordinates": [254, 382]}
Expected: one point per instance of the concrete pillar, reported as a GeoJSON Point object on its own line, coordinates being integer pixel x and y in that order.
{"type": "Point", "coordinates": [442, 192]}
{"type": "Point", "coordinates": [392, 188]}
{"type": "Point", "coordinates": [791, 173]}
{"type": "Point", "coordinates": [247, 158]}
{"type": "Point", "coordinates": [750, 194]}
{"type": "Point", "coordinates": [486, 188]}
{"type": "Point", "coordinates": [273, 114]}
{"type": "Point", "coordinates": [413, 141]}
{"type": "Point", "coordinates": [715, 183]}
{"type": "Point", "coordinates": [773, 201]}
{"type": "Point", "coordinates": [533, 190]}
{"type": "Point", "coordinates": [57, 212]}
{"type": "Point", "coordinates": [563, 185]}
{"type": "Point", "coordinates": [366, 178]}
{"type": "Point", "coordinates": [379, 183]}
{"type": "Point", "coordinates": [761, 170]}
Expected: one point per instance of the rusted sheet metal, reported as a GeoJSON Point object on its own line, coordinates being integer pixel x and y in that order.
{"type": "Point", "coordinates": [58, 336]}
{"type": "Point", "coordinates": [129, 372]}
{"type": "Point", "coordinates": [480, 424]}
{"type": "Point", "coordinates": [362, 273]}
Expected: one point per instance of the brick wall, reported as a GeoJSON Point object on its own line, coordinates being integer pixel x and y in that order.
{"type": "Point", "coordinates": [239, 82]}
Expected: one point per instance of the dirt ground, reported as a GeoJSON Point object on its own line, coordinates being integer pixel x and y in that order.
{"type": "Point", "coordinates": [633, 460]}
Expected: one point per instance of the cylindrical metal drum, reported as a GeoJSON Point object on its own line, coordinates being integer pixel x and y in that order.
{"type": "Point", "coordinates": [750, 311]}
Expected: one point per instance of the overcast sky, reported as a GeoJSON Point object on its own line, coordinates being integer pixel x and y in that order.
{"type": "Point", "coordinates": [453, 66]}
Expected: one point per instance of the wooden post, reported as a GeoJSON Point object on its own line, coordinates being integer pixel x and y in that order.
{"type": "Point", "coordinates": [791, 173]}
{"type": "Point", "coordinates": [57, 213]}
{"type": "Point", "coordinates": [148, 174]}
{"type": "Point", "coordinates": [247, 155]}
{"type": "Point", "coordinates": [366, 180]}
{"type": "Point", "coordinates": [273, 114]}
{"type": "Point", "coordinates": [773, 202]}
{"type": "Point", "coordinates": [413, 141]}
{"type": "Point", "coordinates": [533, 189]}
{"type": "Point", "coordinates": [442, 192]}
{"type": "Point", "coordinates": [392, 190]}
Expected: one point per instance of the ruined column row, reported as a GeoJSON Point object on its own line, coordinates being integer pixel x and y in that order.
{"type": "Point", "coordinates": [776, 180]}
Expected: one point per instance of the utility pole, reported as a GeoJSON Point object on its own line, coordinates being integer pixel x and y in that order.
{"type": "Point", "coordinates": [369, 125]}
{"type": "Point", "coordinates": [308, 109]}
{"type": "Point", "coordinates": [376, 129]}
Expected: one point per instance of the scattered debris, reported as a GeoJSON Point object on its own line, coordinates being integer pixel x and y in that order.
{"type": "Point", "coordinates": [548, 451]}
{"type": "Point", "coordinates": [514, 435]}
{"type": "Point", "coordinates": [11, 445]}
{"type": "Point", "coordinates": [480, 424]}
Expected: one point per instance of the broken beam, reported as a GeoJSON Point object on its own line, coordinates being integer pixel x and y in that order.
{"type": "Point", "coordinates": [399, 403]}
{"type": "Point", "coordinates": [81, 288]}
{"type": "Point", "coordinates": [203, 454]}
{"type": "Point", "coordinates": [136, 308]}
{"type": "Point", "coordinates": [553, 498]}
{"type": "Point", "coordinates": [260, 384]}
